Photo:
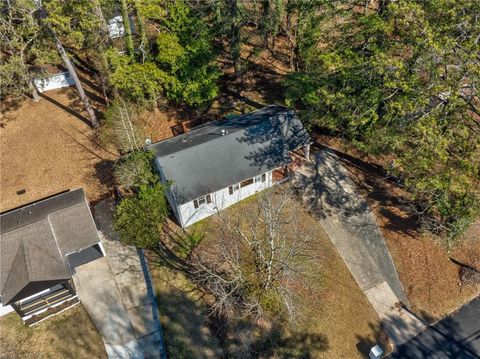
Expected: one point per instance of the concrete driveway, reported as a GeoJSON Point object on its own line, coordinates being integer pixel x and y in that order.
{"type": "Point", "coordinates": [98, 292]}
{"type": "Point", "coordinates": [330, 193]}
{"type": "Point", "coordinates": [118, 294]}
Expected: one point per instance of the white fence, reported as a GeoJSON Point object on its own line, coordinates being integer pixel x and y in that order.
{"type": "Point", "coordinates": [53, 82]}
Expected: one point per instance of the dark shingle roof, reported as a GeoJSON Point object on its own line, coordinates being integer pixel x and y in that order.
{"type": "Point", "coordinates": [35, 240]}
{"type": "Point", "coordinates": [203, 160]}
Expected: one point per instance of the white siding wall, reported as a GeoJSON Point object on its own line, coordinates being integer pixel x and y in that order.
{"type": "Point", "coordinates": [188, 214]}
{"type": "Point", "coordinates": [57, 81]}
{"type": "Point", "coordinates": [5, 310]}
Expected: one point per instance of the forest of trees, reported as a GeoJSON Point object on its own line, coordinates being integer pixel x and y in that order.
{"type": "Point", "coordinates": [396, 79]}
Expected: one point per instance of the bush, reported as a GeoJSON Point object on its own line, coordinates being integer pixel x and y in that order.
{"type": "Point", "coordinates": [139, 220]}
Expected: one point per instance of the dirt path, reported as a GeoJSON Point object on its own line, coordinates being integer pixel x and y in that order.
{"type": "Point", "coordinates": [351, 226]}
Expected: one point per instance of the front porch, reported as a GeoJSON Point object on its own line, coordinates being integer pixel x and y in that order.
{"type": "Point", "coordinates": [298, 159]}
{"type": "Point", "coordinates": [46, 303]}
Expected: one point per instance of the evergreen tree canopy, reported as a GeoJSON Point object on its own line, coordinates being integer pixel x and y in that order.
{"type": "Point", "coordinates": [403, 81]}
{"type": "Point", "coordinates": [24, 46]}
{"type": "Point", "coordinates": [188, 60]}
{"type": "Point", "coordinates": [177, 61]}
{"type": "Point", "coordinates": [139, 220]}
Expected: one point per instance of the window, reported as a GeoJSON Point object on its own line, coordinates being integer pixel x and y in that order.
{"type": "Point", "coordinates": [202, 200]}
{"type": "Point", "coordinates": [233, 188]}
{"type": "Point", "coordinates": [246, 182]}
{"type": "Point", "coordinates": [261, 178]}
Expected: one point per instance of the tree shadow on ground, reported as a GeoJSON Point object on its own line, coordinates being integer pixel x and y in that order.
{"type": "Point", "coordinates": [104, 172]}
{"type": "Point", "coordinates": [275, 341]}
{"type": "Point", "coordinates": [89, 343]}
{"type": "Point", "coordinates": [70, 334]}
{"type": "Point", "coordinates": [365, 344]}
{"type": "Point", "coordinates": [324, 187]}
{"type": "Point", "coordinates": [185, 329]}
{"type": "Point", "coordinates": [184, 310]}
{"type": "Point", "coordinates": [10, 105]}
{"type": "Point", "coordinates": [381, 190]}
{"type": "Point", "coordinates": [190, 332]}
{"type": "Point", "coordinates": [65, 108]}
{"type": "Point", "coordinates": [260, 85]}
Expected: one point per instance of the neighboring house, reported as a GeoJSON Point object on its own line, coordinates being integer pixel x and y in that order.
{"type": "Point", "coordinates": [52, 82]}
{"type": "Point", "coordinates": [41, 244]}
{"type": "Point", "coordinates": [222, 162]}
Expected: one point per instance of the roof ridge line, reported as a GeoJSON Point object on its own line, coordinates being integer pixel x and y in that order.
{"type": "Point", "coordinates": [55, 238]}
{"type": "Point", "coordinates": [20, 247]}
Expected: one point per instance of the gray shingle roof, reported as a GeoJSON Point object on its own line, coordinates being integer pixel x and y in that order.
{"type": "Point", "coordinates": [35, 240]}
{"type": "Point", "coordinates": [204, 160]}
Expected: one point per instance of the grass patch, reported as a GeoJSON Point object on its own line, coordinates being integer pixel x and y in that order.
{"type": "Point", "coordinates": [335, 319]}
{"type": "Point", "coordinates": [71, 334]}
{"type": "Point", "coordinates": [183, 316]}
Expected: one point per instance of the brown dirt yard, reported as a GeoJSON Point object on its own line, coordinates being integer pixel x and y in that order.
{"type": "Point", "coordinates": [70, 334]}
{"type": "Point", "coordinates": [47, 147]}
{"type": "Point", "coordinates": [335, 319]}
{"type": "Point", "coordinates": [430, 278]}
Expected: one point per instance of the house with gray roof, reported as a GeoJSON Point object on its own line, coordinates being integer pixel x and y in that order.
{"type": "Point", "coordinates": [41, 244]}
{"type": "Point", "coordinates": [222, 162]}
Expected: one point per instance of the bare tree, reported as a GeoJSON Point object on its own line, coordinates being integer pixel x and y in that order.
{"type": "Point", "coordinates": [260, 252]}
{"type": "Point", "coordinates": [121, 126]}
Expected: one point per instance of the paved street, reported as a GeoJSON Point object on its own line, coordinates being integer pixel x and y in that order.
{"type": "Point", "coordinates": [331, 194]}
{"type": "Point", "coordinates": [454, 337]}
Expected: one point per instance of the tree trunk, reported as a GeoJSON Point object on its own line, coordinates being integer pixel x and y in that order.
{"type": "Point", "coordinates": [296, 49]}
{"type": "Point", "coordinates": [35, 94]}
{"type": "Point", "coordinates": [127, 28]}
{"type": "Point", "coordinates": [235, 45]}
{"type": "Point", "coordinates": [105, 41]}
{"type": "Point", "coordinates": [78, 84]}
{"type": "Point", "coordinates": [291, 32]}
{"type": "Point", "coordinates": [71, 70]}
{"type": "Point", "coordinates": [265, 22]}
{"type": "Point", "coordinates": [141, 29]}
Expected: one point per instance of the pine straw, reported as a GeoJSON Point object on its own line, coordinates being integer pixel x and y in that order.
{"type": "Point", "coordinates": [45, 149]}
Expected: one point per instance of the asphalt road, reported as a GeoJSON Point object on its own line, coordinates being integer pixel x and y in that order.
{"type": "Point", "coordinates": [454, 337]}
